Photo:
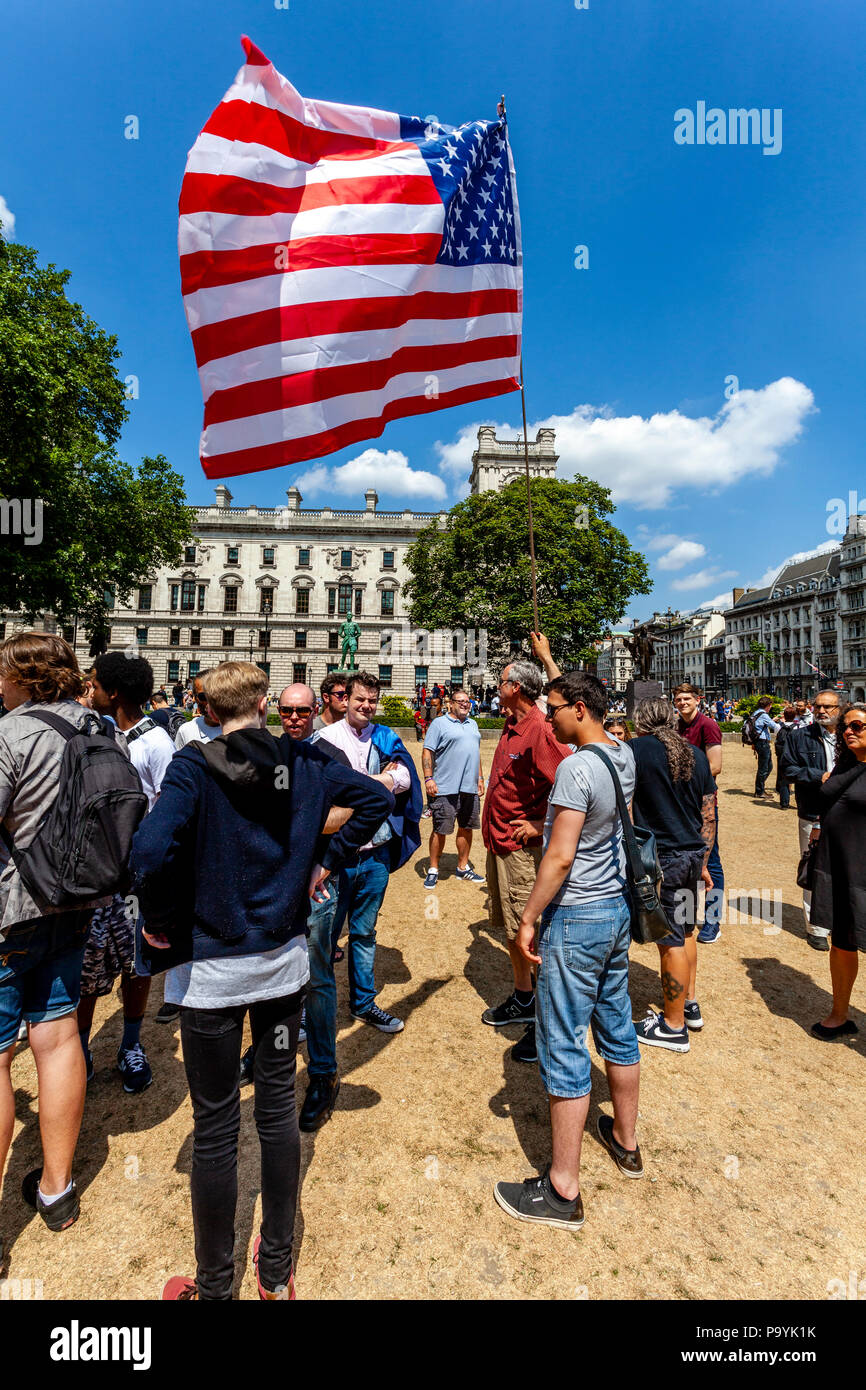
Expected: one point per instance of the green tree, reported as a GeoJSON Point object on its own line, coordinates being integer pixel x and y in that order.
{"type": "Point", "coordinates": [105, 526]}
{"type": "Point", "coordinates": [758, 654]}
{"type": "Point", "coordinates": [475, 573]}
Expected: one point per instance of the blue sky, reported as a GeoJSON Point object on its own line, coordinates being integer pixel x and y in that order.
{"type": "Point", "coordinates": [706, 262]}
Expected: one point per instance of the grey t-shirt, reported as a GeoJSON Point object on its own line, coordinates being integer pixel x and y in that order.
{"type": "Point", "coordinates": [583, 783]}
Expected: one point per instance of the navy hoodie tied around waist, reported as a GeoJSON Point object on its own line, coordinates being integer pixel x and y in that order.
{"type": "Point", "coordinates": [227, 851]}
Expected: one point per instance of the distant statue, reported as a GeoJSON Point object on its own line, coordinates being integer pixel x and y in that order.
{"type": "Point", "coordinates": [641, 646]}
{"type": "Point", "coordinates": [349, 634]}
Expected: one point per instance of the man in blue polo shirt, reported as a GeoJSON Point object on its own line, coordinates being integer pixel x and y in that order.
{"type": "Point", "coordinates": [452, 748]}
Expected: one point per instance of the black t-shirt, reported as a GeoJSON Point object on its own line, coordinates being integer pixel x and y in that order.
{"type": "Point", "coordinates": [672, 810]}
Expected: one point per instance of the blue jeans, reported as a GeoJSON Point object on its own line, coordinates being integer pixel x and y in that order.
{"type": "Point", "coordinates": [583, 983]}
{"type": "Point", "coordinates": [765, 764]}
{"type": "Point", "coordinates": [360, 892]}
{"type": "Point", "coordinates": [40, 970]}
{"type": "Point", "coordinates": [715, 900]}
{"type": "Point", "coordinates": [321, 1003]}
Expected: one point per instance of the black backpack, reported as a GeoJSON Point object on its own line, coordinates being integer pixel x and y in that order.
{"type": "Point", "coordinates": [81, 848]}
{"type": "Point", "coordinates": [749, 732]}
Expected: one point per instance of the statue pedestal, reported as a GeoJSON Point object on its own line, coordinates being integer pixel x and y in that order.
{"type": "Point", "coordinates": [636, 691]}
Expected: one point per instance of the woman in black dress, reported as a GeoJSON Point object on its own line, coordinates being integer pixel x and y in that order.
{"type": "Point", "coordinates": [839, 895]}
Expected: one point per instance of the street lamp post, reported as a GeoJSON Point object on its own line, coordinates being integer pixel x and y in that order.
{"type": "Point", "coordinates": [670, 617]}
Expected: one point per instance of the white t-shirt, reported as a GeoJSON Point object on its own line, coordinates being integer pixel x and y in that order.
{"type": "Point", "coordinates": [196, 731]}
{"type": "Point", "coordinates": [232, 980]}
{"type": "Point", "coordinates": [150, 755]}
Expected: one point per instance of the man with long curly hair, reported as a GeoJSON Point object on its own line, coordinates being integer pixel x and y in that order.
{"type": "Point", "coordinates": [675, 797]}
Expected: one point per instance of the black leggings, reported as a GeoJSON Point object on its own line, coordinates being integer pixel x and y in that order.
{"type": "Point", "coordinates": [211, 1041]}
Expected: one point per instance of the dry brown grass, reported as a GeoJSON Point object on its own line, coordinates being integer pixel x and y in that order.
{"type": "Point", "coordinates": [752, 1147]}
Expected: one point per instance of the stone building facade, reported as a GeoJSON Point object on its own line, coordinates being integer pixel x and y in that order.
{"type": "Point", "coordinates": [274, 585]}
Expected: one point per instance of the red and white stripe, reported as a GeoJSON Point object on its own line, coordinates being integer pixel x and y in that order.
{"type": "Point", "coordinates": [308, 239]}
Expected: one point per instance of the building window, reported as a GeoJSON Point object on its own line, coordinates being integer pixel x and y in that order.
{"type": "Point", "coordinates": [266, 601]}
{"type": "Point", "coordinates": [230, 599]}
{"type": "Point", "coordinates": [232, 555]}
{"type": "Point", "coordinates": [173, 671]}
{"type": "Point", "coordinates": [141, 636]}
{"type": "Point", "coordinates": [332, 602]}
{"type": "Point", "coordinates": [299, 673]}
{"type": "Point", "coordinates": [228, 637]}
{"type": "Point", "coordinates": [265, 636]}
{"type": "Point", "coordinates": [302, 600]}
{"type": "Point", "coordinates": [301, 638]}
{"type": "Point", "coordinates": [344, 604]}
{"type": "Point", "coordinates": [67, 633]}
{"type": "Point", "coordinates": [145, 595]}
{"type": "Point", "coordinates": [304, 557]}
{"type": "Point", "coordinates": [333, 641]}
{"type": "Point", "coordinates": [345, 559]}
{"type": "Point", "coordinates": [420, 675]}
{"type": "Point", "coordinates": [358, 600]}
{"type": "Point", "coordinates": [202, 589]}
{"type": "Point", "coordinates": [388, 559]}
{"type": "Point", "coordinates": [194, 668]}
{"type": "Point", "coordinates": [268, 555]}
{"type": "Point", "coordinates": [387, 608]}
{"type": "Point", "coordinates": [175, 594]}
{"type": "Point", "coordinates": [174, 637]}
{"type": "Point", "coordinates": [266, 667]}
{"type": "Point", "coordinates": [385, 677]}
{"type": "Point", "coordinates": [195, 637]}
{"type": "Point", "coordinates": [189, 555]}
{"type": "Point", "coordinates": [332, 666]}
{"type": "Point", "coordinates": [187, 596]}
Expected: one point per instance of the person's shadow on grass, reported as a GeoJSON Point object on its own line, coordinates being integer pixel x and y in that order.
{"type": "Point", "coordinates": [790, 993]}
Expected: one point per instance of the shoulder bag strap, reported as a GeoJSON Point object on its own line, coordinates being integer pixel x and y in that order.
{"type": "Point", "coordinates": [60, 725]}
{"type": "Point", "coordinates": [636, 868]}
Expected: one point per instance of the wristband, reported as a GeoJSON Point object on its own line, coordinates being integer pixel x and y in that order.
{"type": "Point", "coordinates": [428, 779]}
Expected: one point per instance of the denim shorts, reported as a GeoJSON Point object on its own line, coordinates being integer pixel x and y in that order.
{"type": "Point", "coordinates": [583, 983]}
{"type": "Point", "coordinates": [40, 970]}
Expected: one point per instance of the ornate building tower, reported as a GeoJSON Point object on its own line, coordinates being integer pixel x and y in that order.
{"type": "Point", "coordinates": [497, 462]}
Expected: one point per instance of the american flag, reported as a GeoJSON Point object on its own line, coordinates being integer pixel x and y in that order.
{"type": "Point", "coordinates": [342, 267]}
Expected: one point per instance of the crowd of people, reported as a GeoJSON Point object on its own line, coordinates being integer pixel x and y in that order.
{"type": "Point", "coordinates": [243, 855]}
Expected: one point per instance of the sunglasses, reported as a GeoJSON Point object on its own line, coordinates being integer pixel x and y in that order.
{"type": "Point", "coordinates": [338, 694]}
{"type": "Point", "coordinates": [553, 711]}
{"type": "Point", "coordinates": [856, 726]}
{"type": "Point", "coordinates": [302, 710]}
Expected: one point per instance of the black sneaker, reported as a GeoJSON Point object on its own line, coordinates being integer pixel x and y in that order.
{"type": "Point", "coordinates": [88, 1063]}
{"type": "Point", "coordinates": [525, 1050]}
{"type": "Point", "coordinates": [818, 943]}
{"type": "Point", "coordinates": [628, 1161]}
{"type": "Point", "coordinates": [56, 1215]}
{"type": "Point", "coordinates": [247, 1067]}
{"type": "Point", "coordinates": [510, 1011]}
{"type": "Point", "coordinates": [653, 1031]}
{"type": "Point", "coordinates": [135, 1069]}
{"type": "Point", "coordinates": [535, 1200]}
{"type": "Point", "coordinates": [168, 1013]}
{"type": "Point", "coordinates": [692, 1015]}
{"type": "Point", "coordinates": [377, 1018]}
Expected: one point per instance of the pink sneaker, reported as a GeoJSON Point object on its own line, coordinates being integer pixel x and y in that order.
{"type": "Point", "coordinates": [285, 1293]}
{"type": "Point", "coordinates": [179, 1288]}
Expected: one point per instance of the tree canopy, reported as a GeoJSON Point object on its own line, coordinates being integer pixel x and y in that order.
{"type": "Point", "coordinates": [475, 573]}
{"type": "Point", "coordinates": [104, 525]}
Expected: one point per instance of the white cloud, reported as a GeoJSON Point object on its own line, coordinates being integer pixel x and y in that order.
{"type": "Point", "coordinates": [644, 461]}
{"type": "Point", "coordinates": [7, 217]}
{"type": "Point", "coordinates": [701, 579]}
{"type": "Point", "coordinates": [385, 470]}
{"type": "Point", "coordinates": [680, 554]}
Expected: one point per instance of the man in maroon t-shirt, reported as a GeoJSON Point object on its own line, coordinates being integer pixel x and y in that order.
{"type": "Point", "coordinates": [703, 732]}
{"type": "Point", "coordinates": [521, 778]}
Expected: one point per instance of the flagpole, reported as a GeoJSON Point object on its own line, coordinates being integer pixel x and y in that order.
{"type": "Point", "coordinates": [500, 110]}
{"type": "Point", "coordinates": [529, 503]}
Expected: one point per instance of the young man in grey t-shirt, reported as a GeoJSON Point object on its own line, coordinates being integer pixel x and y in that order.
{"type": "Point", "coordinates": [582, 956]}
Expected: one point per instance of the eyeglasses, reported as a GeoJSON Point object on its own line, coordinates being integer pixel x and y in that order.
{"type": "Point", "coordinates": [506, 681]}
{"type": "Point", "coordinates": [302, 710]}
{"type": "Point", "coordinates": [825, 707]}
{"type": "Point", "coordinates": [856, 726]}
{"type": "Point", "coordinates": [337, 694]}
{"type": "Point", "coordinates": [553, 711]}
